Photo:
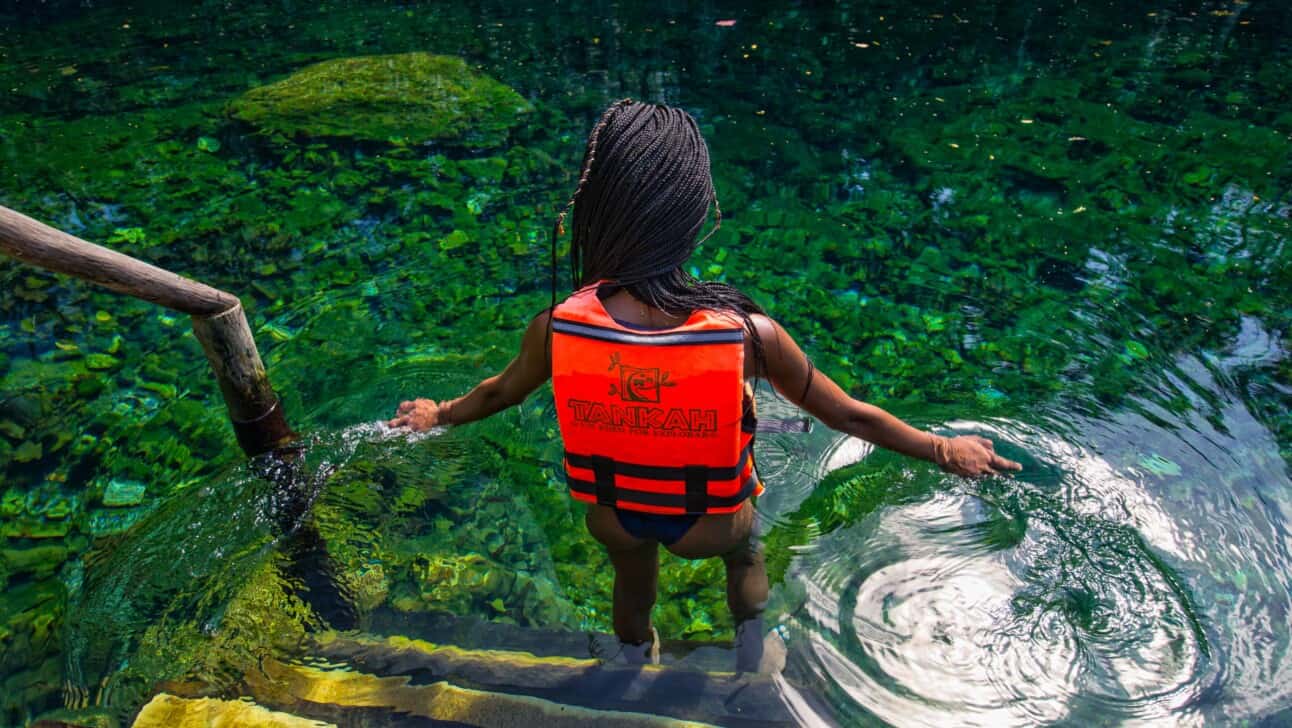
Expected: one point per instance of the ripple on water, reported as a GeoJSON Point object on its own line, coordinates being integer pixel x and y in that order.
{"type": "Point", "coordinates": [995, 605]}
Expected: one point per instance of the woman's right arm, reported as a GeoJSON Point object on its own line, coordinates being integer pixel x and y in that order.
{"type": "Point", "coordinates": [523, 375]}
{"type": "Point", "coordinates": [794, 377]}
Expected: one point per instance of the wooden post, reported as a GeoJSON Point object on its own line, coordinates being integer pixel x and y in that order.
{"type": "Point", "coordinates": [218, 319]}
{"type": "Point", "coordinates": [254, 409]}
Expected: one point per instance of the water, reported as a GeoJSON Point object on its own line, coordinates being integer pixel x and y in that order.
{"type": "Point", "coordinates": [1063, 226]}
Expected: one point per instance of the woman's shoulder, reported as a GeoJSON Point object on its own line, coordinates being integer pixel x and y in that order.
{"type": "Point", "coordinates": [764, 325]}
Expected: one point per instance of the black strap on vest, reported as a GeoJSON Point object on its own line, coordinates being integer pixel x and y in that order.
{"type": "Point", "coordinates": [697, 488]}
{"type": "Point", "coordinates": [669, 500]}
{"type": "Point", "coordinates": [658, 472]}
{"type": "Point", "coordinates": [603, 469]}
{"type": "Point", "coordinates": [694, 499]}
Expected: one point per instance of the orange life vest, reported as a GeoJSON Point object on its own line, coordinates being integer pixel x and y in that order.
{"type": "Point", "coordinates": [653, 420]}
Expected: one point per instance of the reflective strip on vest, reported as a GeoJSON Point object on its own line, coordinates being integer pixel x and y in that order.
{"type": "Point", "coordinates": [731, 336]}
{"type": "Point", "coordinates": [652, 420]}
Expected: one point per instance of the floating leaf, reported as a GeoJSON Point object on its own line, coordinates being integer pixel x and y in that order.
{"type": "Point", "coordinates": [208, 144]}
{"type": "Point", "coordinates": [1240, 580]}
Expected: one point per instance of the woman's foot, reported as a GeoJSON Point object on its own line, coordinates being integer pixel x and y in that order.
{"type": "Point", "coordinates": [646, 653]}
{"type": "Point", "coordinates": [756, 651]}
{"type": "Point", "coordinates": [611, 651]}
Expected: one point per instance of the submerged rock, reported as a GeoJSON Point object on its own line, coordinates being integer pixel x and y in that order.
{"type": "Point", "coordinates": [108, 522]}
{"type": "Point", "coordinates": [445, 580]}
{"type": "Point", "coordinates": [101, 362]}
{"type": "Point", "coordinates": [123, 493]}
{"type": "Point", "coordinates": [174, 712]}
{"type": "Point", "coordinates": [35, 529]}
{"type": "Point", "coordinates": [39, 561]}
{"type": "Point", "coordinates": [415, 97]}
{"type": "Point", "coordinates": [12, 503]}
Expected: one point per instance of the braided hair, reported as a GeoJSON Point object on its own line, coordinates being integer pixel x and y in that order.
{"type": "Point", "coordinates": [643, 194]}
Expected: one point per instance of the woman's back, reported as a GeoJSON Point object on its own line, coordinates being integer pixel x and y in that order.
{"type": "Point", "coordinates": [643, 195]}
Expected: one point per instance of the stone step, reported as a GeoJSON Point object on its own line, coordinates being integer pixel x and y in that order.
{"type": "Point", "coordinates": [170, 711]}
{"type": "Point", "coordinates": [481, 634]}
{"type": "Point", "coordinates": [342, 696]}
{"type": "Point", "coordinates": [677, 691]}
{"type": "Point", "coordinates": [373, 680]}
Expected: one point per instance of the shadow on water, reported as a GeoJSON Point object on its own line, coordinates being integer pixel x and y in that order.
{"type": "Point", "coordinates": [174, 576]}
{"type": "Point", "coordinates": [358, 528]}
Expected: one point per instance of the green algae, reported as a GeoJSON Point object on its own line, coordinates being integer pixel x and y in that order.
{"type": "Point", "coordinates": [411, 97]}
{"type": "Point", "coordinates": [1133, 221]}
{"type": "Point", "coordinates": [41, 562]}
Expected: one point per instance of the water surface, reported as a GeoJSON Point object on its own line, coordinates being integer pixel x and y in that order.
{"type": "Point", "coordinates": [1062, 226]}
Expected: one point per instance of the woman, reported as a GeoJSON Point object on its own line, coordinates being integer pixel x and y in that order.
{"type": "Point", "coordinates": [651, 372]}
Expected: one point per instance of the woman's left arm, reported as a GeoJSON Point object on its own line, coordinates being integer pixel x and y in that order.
{"type": "Point", "coordinates": [790, 372]}
{"type": "Point", "coordinates": [523, 375]}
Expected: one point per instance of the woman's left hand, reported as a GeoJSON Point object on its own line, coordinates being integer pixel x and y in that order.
{"type": "Point", "coordinates": [417, 415]}
{"type": "Point", "coordinates": [970, 455]}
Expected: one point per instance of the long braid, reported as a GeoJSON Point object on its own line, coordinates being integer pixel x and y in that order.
{"type": "Point", "coordinates": [643, 196]}
{"type": "Point", "coordinates": [558, 229]}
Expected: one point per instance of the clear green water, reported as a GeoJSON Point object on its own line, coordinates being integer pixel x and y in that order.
{"type": "Point", "coordinates": [1063, 225]}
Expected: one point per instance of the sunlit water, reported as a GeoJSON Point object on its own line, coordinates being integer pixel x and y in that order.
{"type": "Point", "coordinates": [1135, 572]}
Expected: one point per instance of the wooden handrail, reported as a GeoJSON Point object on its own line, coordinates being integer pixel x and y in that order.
{"type": "Point", "coordinates": [218, 319]}
{"type": "Point", "coordinates": [38, 244]}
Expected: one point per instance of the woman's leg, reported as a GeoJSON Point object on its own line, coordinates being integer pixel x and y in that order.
{"type": "Point", "coordinates": [746, 580]}
{"type": "Point", "coordinates": [732, 537]}
{"type": "Point", "coordinates": [636, 563]}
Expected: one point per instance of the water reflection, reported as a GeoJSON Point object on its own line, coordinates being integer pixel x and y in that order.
{"type": "Point", "coordinates": [1088, 588]}
{"type": "Point", "coordinates": [922, 617]}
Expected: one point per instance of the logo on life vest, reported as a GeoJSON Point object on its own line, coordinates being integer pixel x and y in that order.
{"type": "Point", "coordinates": [637, 384]}
{"type": "Point", "coordinates": [655, 420]}
{"type": "Point", "coordinates": [642, 385]}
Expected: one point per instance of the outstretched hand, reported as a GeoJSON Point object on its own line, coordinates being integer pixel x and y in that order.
{"type": "Point", "coordinates": [970, 455]}
{"type": "Point", "coordinates": [417, 415]}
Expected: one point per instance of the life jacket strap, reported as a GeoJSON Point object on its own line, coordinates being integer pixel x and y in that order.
{"type": "Point", "coordinates": [697, 488]}
{"type": "Point", "coordinates": [627, 497]}
{"type": "Point", "coordinates": [603, 471]}
{"type": "Point", "coordinates": [655, 472]}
